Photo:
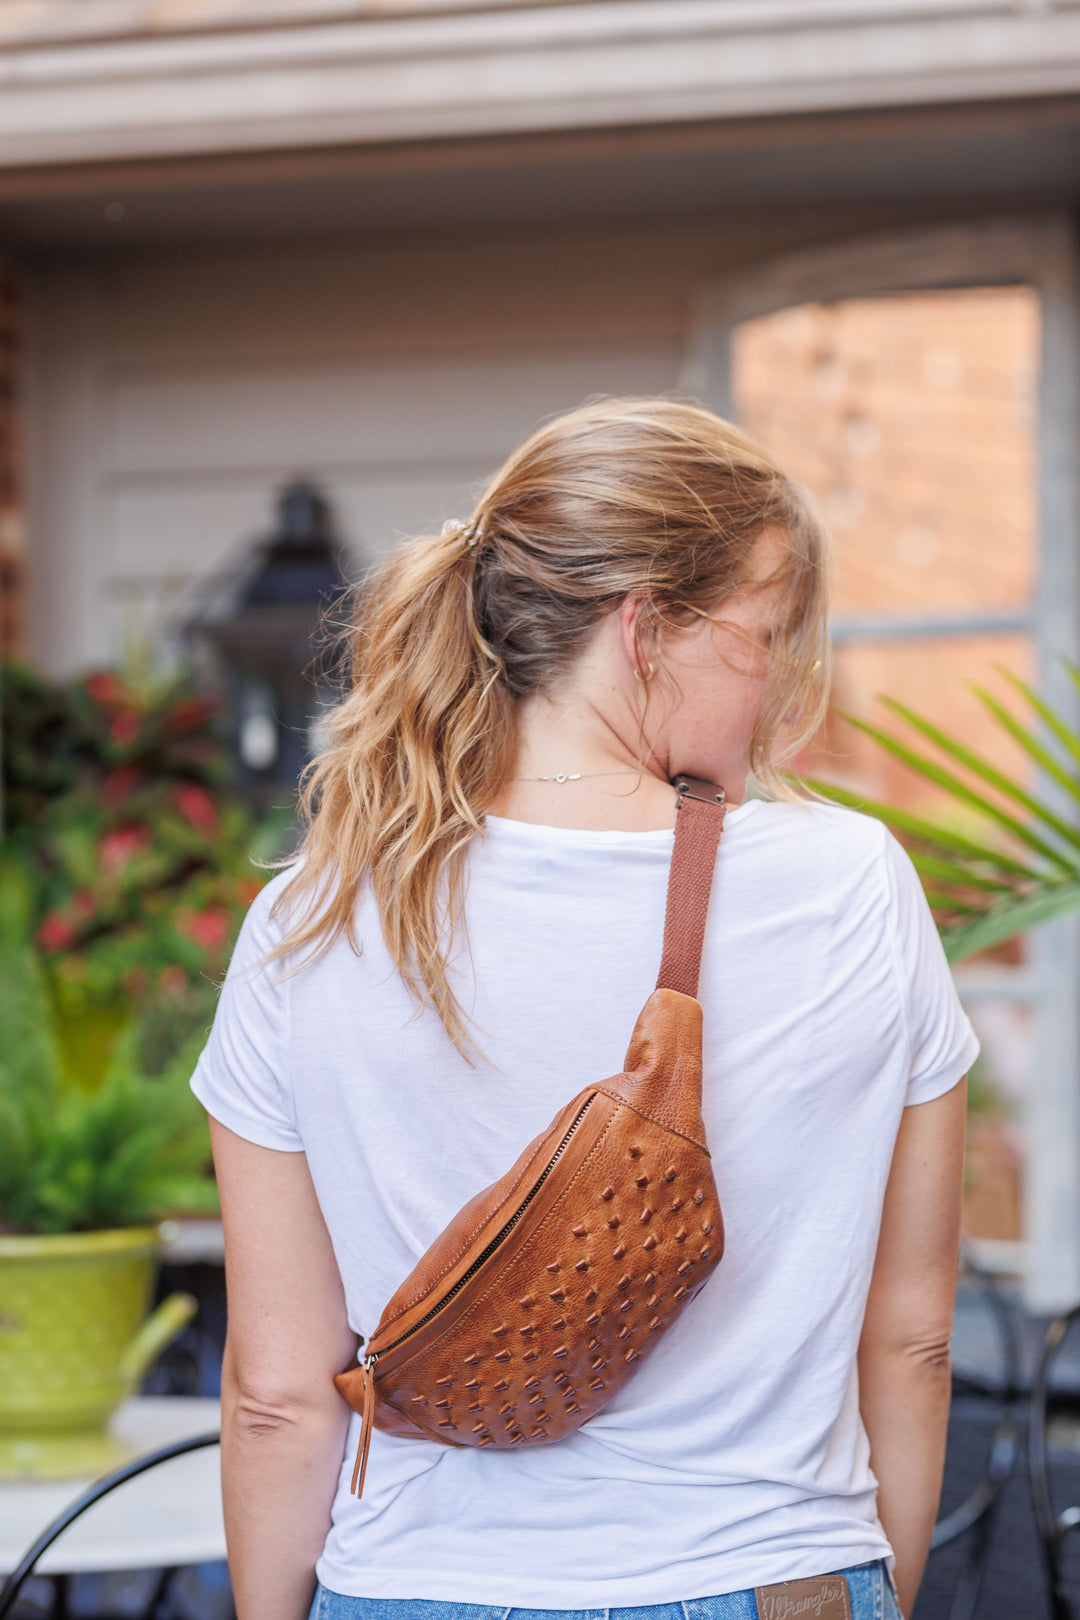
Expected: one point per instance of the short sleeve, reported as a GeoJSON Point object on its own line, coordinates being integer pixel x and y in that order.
{"type": "Point", "coordinates": [942, 1043]}
{"type": "Point", "coordinates": [242, 1077]}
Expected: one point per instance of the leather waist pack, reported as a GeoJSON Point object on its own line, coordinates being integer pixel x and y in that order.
{"type": "Point", "coordinates": [549, 1288]}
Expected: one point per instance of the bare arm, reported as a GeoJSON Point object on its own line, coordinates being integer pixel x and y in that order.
{"type": "Point", "coordinates": [904, 1373]}
{"type": "Point", "coordinates": [283, 1422]}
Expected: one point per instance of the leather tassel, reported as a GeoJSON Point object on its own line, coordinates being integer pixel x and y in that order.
{"type": "Point", "coordinates": [366, 1424]}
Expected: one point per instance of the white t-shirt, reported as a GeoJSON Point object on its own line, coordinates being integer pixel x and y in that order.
{"type": "Point", "coordinates": [736, 1455]}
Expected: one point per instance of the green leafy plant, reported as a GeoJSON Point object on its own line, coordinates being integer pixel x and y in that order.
{"type": "Point", "coordinates": [118, 810]}
{"type": "Point", "coordinates": [1016, 860]}
{"type": "Point", "coordinates": [71, 1159]}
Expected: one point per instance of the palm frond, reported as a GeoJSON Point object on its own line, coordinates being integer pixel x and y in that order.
{"type": "Point", "coordinates": [1064, 734]}
{"type": "Point", "coordinates": [1025, 870]}
{"type": "Point", "coordinates": [958, 789]}
{"type": "Point", "coordinates": [981, 768]}
{"type": "Point", "coordinates": [1002, 923]}
{"type": "Point", "coordinates": [955, 872]}
{"type": "Point", "coordinates": [934, 834]}
{"type": "Point", "coordinates": [1029, 742]}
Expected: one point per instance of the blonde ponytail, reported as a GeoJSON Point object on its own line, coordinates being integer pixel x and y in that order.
{"type": "Point", "coordinates": [424, 738]}
{"type": "Point", "coordinates": [454, 629]}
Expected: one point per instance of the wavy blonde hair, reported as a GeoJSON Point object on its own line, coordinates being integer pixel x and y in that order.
{"type": "Point", "coordinates": [454, 629]}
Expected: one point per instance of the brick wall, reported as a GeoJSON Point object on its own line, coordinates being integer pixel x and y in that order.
{"type": "Point", "coordinates": [912, 420]}
{"type": "Point", "coordinates": [11, 518]}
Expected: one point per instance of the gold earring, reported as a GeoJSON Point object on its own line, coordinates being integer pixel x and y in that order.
{"type": "Point", "coordinates": [644, 679]}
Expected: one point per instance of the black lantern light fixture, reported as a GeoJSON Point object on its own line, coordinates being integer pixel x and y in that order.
{"type": "Point", "coordinates": [259, 624]}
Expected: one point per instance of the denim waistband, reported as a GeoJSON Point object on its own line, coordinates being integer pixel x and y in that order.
{"type": "Point", "coordinates": [870, 1590]}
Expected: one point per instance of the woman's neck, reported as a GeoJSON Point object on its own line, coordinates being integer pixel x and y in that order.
{"type": "Point", "coordinates": [607, 786]}
{"type": "Point", "coordinates": [594, 731]}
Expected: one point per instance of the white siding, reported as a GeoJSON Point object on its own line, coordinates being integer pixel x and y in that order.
{"type": "Point", "coordinates": [167, 410]}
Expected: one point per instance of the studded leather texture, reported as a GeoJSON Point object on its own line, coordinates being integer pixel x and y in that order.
{"type": "Point", "coordinates": [549, 1288]}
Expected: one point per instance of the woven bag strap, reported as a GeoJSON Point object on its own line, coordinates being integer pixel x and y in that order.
{"type": "Point", "coordinates": [698, 824]}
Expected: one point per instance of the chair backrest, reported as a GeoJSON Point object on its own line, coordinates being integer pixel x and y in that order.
{"type": "Point", "coordinates": [22, 1572]}
{"type": "Point", "coordinates": [1053, 1527]}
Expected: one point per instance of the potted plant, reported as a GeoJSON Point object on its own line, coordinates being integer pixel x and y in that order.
{"type": "Point", "coordinates": [85, 1171]}
{"type": "Point", "coordinates": [126, 865]}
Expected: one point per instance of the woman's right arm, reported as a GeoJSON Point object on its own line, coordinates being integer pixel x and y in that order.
{"type": "Point", "coordinates": [904, 1370]}
{"type": "Point", "coordinates": [283, 1422]}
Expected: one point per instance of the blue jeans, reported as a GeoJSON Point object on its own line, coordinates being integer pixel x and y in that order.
{"type": "Point", "coordinates": [869, 1587]}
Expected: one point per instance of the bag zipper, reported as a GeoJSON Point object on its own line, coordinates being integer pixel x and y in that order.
{"type": "Point", "coordinates": [500, 1237]}
{"type": "Point", "coordinates": [368, 1362]}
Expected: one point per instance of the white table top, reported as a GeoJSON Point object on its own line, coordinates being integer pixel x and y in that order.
{"type": "Point", "coordinates": [192, 1242]}
{"type": "Point", "coordinates": [171, 1515]}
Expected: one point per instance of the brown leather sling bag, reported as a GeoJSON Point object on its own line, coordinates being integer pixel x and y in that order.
{"type": "Point", "coordinates": [548, 1289]}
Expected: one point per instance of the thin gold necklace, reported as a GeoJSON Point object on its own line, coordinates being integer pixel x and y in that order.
{"type": "Point", "coordinates": [574, 776]}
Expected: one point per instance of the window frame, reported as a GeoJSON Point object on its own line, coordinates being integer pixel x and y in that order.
{"type": "Point", "coordinates": [1041, 252]}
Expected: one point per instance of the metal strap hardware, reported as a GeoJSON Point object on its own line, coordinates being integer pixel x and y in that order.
{"type": "Point", "coordinates": [694, 787]}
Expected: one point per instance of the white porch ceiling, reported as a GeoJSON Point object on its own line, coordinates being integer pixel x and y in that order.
{"type": "Point", "coordinates": [114, 81]}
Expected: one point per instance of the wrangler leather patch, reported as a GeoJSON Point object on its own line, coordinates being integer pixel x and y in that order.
{"type": "Point", "coordinates": [823, 1597]}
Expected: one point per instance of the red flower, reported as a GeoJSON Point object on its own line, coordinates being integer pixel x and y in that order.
{"type": "Point", "coordinates": [197, 807]}
{"type": "Point", "coordinates": [190, 713]}
{"type": "Point", "coordinates": [117, 847]}
{"type": "Point", "coordinates": [57, 932]}
{"type": "Point", "coordinates": [124, 728]}
{"type": "Point", "coordinates": [208, 928]}
{"type": "Point", "coordinates": [173, 980]}
{"type": "Point", "coordinates": [84, 905]}
{"type": "Point", "coordinates": [118, 784]}
{"type": "Point", "coordinates": [106, 689]}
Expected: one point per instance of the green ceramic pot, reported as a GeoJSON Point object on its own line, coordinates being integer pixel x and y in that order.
{"type": "Point", "coordinates": [74, 1341]}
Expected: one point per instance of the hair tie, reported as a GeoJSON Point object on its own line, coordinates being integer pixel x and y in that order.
{"type": "Point", "coordinates": [469, 532]}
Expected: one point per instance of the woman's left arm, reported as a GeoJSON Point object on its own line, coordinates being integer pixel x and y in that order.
{"type": "Point", "coordinates": [283, 1422]}
{"type": "Point", "coordinates": [904, 1374]}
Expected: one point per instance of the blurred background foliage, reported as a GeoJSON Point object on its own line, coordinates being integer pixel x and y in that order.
{"type": "Point", "coordinates": [74, 1157]}
{"type": "Point", "coordinates": [127, 864]}
{"type": "Point", "coordinates": [140, 858]}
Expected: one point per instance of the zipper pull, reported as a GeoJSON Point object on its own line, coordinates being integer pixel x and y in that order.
{"type": "Point", "coordinates": [367, 1416]}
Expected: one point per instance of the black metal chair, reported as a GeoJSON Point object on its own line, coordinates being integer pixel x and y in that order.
{"type": "Point", "coordinates": [1053, 1527]}
{"type": "Point", "coordinates": [13, 1586]}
